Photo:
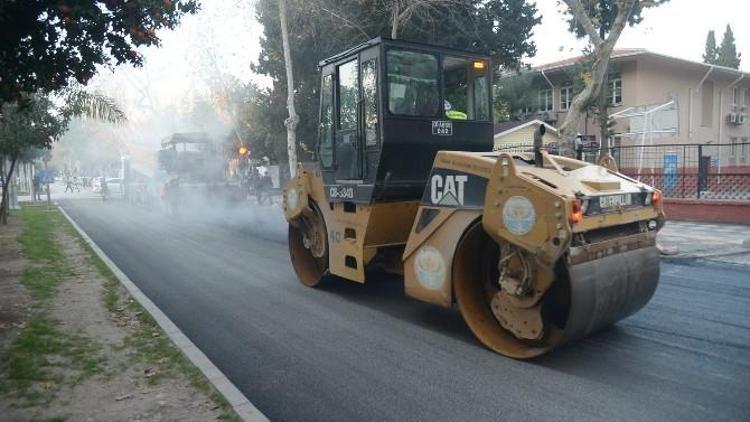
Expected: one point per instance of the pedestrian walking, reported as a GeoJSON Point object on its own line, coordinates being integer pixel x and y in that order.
{"type": "Point", "coordinates": [36, 181]}
{"type": "Point", "coordinates": [68, 184]}
{"type": "Point", "coordinates": [263, 190]}
{"type": "Point", "coordinates": [105, 189]}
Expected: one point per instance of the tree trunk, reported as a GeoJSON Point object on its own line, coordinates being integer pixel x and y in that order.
{"type": "Point", "coordinates": [6, 189]}
{"type": "Point", "coordinates": [394, 22]}
{"type": "Point", "coordinates": [602, 51]}
{"type": "Point", "coordinates": [604, 146]}
{"type": "Point", "coordinates": [293, 120]}
{"type": "Point", "coordinates": [580, 102]}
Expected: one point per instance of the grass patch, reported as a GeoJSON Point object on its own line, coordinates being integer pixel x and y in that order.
{"type": "Point", "coordinates": [55, 419]}
{"type": "Point", "coordinates": [42, 356]}
{"type": "Point", "coordinates": [38, 238]}
{"type": "Point", "coordinates": [40, 352]}
{"type": "Point", "coordinates": [40, 247]}
{"type": "Point", "coordinates": [149, 344]}
{"type": "Point", "coordinates": [28, 357]}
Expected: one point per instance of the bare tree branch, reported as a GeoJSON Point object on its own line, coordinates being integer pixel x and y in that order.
{"type": "Point", "coordinates": [580, 15]}
{"type": "Point", "coordinates": [346, 21]}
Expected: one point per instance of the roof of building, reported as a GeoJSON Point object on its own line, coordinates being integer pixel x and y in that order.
{"type": "Point", "coordinates": [621, 54]}
{"type": "Point", "coordinates": [504, 128]}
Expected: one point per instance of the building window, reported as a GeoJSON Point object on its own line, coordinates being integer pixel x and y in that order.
{"type": "Point", "coordinates": [566, 97]}
{"type": "Point", "coordinates": [615, 90]}
{"type": "Point", "coordinates": [545, 100]}
{"type": "Point", "coordinates": [525, 109]}
{"type": "Point", "coordinates": [735, 98]}
{"type": "Point", "coordinates": [707, 104]}
{"type": "Point", "coordinates": [745, 97]}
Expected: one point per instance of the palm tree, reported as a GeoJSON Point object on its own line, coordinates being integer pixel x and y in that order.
{"type": "Point", "coordinates": [94, 105]}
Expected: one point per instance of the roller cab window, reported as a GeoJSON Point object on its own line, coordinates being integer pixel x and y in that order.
{"type": "Point", "coordinates": [412, 83]}
{"type": "Point", "coordinates": [466, 89]}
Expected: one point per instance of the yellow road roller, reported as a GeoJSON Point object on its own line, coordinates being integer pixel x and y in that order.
{"type": "Point", "coordinates": [534, 249]}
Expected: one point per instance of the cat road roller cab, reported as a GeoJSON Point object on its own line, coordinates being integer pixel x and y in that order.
{"type": "Point", "coordinates": [536, 250]}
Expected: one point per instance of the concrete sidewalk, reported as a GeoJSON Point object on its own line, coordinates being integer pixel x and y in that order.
{"type": "Point", "coordinates": [57, 192]}
{"type": "Point", "coordinates": [716, 242]}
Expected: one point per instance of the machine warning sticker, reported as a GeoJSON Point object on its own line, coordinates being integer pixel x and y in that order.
{"type": "Point", "coordinates": [442, 127]}
{"type": "Point", "coordinates": [519, 215]}
{"type": "Point", "coordinates": [430, 268]}
{"type": "Point", "coordinates": [450, 188]}
{"type": "Point", "coordinates": [291, 198]}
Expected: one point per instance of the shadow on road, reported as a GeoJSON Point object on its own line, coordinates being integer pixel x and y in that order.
{"type": "Point", "coordinates": [385, 293]}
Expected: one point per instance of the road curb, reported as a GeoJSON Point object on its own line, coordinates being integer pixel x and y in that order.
{"type": "Point", "coordinates": [241, 405]}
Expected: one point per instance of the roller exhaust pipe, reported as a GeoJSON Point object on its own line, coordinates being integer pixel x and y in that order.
{"type": "Point", "coordinates": [538, 144]}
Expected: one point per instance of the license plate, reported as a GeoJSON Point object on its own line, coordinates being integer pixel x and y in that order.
{"type": "Point", "coordinates": [611, 201]}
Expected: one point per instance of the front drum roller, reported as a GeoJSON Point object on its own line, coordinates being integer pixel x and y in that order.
{"type": "Point", "coordinates": [308, 246]}
{"type": "Point", "coordinates": [582, 298]}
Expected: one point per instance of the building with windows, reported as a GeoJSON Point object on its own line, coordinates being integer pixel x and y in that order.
{"type": "Point", "coordinates": [656, 99]}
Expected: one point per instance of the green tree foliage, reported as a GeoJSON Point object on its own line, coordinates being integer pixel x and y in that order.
{"type": "Point", "coordinates": [604, 12]}
{"type": "Point", "coordinates": [322, 28]}
{"type": "Point", "coordinates": [47, 44]}
{"type": "Point", "coordinates": [31, 123]}
{"type": "Point", "coordinates": [709, 56]}
{"type": "Point", "coordinates": [26, 126]}
{"type": "Point", "coordinates": [727, 54]}
{"type": "Point", "coordinates": [30, 126]}
{"type": "Point", "coordinates": [515, 94]}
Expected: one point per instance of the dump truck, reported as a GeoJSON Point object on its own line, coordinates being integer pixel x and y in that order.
{"type": "Point", "coordinates": [535, 250]}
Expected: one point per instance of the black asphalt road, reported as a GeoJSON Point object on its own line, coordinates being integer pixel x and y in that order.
{"type": "Point", "coordinates": [345, 352]}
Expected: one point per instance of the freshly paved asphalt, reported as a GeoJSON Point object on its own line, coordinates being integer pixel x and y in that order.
{"type": "Point", "coordinates": [345, 352]}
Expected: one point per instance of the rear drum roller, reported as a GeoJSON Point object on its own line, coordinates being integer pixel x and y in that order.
{"type": "Point", "coordinates": [308, 247]}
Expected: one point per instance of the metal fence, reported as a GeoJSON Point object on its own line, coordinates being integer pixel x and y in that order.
{"type": "Point", "coordinates": [692, 171]}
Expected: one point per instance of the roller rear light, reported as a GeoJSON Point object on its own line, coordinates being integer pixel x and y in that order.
{"type": "Point", "coordinates": [576, 212]}
{"type": "Point", "coordinates": [656, 198]}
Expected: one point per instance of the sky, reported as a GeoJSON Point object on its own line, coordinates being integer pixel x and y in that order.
{"type": "Point", "coordinates": [224, 35]}
{"type": "Point", "coordinates": [228, 30]}
{"type": "Point", "coordinates": [677, 28]}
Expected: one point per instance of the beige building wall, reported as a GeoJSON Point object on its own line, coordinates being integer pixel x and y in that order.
{"type": "Point", "coordinates": [658, 80]}
{"type": "Point", "coordinates": [703, 107]}
{"type": "Point", "coordinates": [654, 80]}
